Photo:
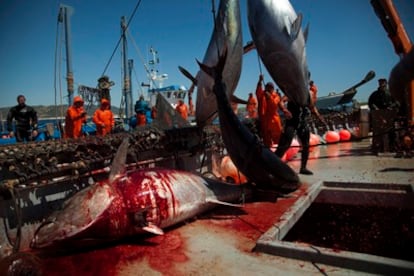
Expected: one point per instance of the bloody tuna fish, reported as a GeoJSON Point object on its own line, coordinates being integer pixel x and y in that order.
{"type": "Point", "coordinates": [131, 203]}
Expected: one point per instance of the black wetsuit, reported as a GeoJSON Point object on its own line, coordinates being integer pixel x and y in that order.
{"type": "Point", "coordinates": [297, 124]}
{"type": "Point", "coordinates": [384, 110]}
{"type": "Point", "coordinates": [380, 99]}
{"type": "Point", "coordinates": [26, 121]}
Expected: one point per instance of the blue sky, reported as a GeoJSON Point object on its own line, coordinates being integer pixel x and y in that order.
{"type": "Point", "coordinates": [346, 40]}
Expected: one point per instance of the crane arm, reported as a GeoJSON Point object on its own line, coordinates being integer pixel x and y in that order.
{"type": "Point", "coordinates": [392, 24]}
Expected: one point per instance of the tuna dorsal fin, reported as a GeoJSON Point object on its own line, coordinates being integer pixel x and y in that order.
{"type": "Point", "coordinates": [306, 32]}
{"type": "Point", "coordinates": [151, 228]}
{"type": "Point", "coordinates": [293, 29]}
{"type": "Point", "coordinates": [118, 163]}
{"type": "Point", "coordinates": [215, 201]}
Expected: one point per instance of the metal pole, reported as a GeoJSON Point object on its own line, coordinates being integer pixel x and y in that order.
{"type": "Point", "coordinates": [67, 12]}
{"type": "Point", "coordinates": [126, 83]}
{"type": "Point", "coordinates": [128, 97]}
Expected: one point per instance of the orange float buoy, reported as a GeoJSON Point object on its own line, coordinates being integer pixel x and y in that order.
{"type": "Point", "coordinates": [332, 137]}
{"type": "Point", "coordinates": [292, 151]}
{"type": "Point", "coordinates": [230, 172]}
{"type": "Point", "coordinates": [344, 135]}
{"type": "Point", "coordinates": [314, 140]}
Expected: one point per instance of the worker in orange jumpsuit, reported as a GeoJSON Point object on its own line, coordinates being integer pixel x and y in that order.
{"type": "Point", "coordinates": [251, 107]}
{"type": "Point", "coordinates": [269, 102]}
{"type": "Point", "coordinates": [141, 118]}
{"type": "Point", "coordinates": [75, 118]}
{"type": "Point", "coordinates": [313, 90]}
{"type": "Point", "coordinates": [104, 118]}
{"type": "Point", "coordinates": [182, 109]}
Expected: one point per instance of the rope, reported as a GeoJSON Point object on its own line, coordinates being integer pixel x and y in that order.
{"type": "Point", "coordinates": [259, 62]}
{"type": "Point", "coordinates": [120, 38]}
{"type": "Point", "coordinates": [141, 58]}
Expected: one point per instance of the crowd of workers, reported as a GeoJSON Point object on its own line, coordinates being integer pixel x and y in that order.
{"type": "Point", "coordinates": [265, 107]}
{"type": "Point", "coordinates": [26, 120]}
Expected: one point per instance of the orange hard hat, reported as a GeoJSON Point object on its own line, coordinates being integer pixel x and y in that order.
{"type": "Point", "coordinates": [77, 99]}
{"type": "Point", "coordinates": [104, 101]}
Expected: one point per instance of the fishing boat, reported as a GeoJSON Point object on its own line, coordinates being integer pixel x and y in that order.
{"type": "Point", "coordinates": [335, 102]}
{"type": "Point", "coordinates": [341, 102]}
{"type": "Point", "coordinates": [172, 93]}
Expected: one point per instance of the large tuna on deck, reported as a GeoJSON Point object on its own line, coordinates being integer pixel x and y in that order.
{"type": "Point", "coordinates": [131, 203]}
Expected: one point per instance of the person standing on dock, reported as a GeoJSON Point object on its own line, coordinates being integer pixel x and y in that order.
{"type": "Point", "coordinates": [296, 124]}
{"type": "Point", "coordinates": [251, 107]}
{"type": "Point", "coordinates": [182, 109]}
{"type": "Point", "coordinates": [26, 121]}
{"type": "Point", "coordinates": [141, 110]}
{"type": "Point", "coordinates": [383, 111]}
{"type": "Point", "coordinates": [103, 118]}
{"type": "Point", "coordinates": [269, 103]}
{"type": "Point", "coordinates": [75, 118]}
{"type": "Point", "coordinates": [313, 90]}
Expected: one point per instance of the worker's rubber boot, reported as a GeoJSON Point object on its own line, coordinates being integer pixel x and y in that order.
{"type": "Point", "coordinates": [304, 161]}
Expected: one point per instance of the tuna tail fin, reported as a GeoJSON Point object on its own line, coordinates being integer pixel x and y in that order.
{"type": "Point", "coordinates": [306, 33]}
{"type": "Point", "coordinates": [118, 163]}
{"type": "Point", "coordinates": [215, 71]}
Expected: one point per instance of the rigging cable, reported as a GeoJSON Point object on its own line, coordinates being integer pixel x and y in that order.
{"type": "Point", "coordinates": [120, 38]}
{"type": "Point", "coordinates": [140, 57]}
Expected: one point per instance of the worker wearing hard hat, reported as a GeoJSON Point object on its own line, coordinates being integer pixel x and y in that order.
{"type": "Point", "coordinates": [103, 118]}
{"type": "Point", "coordinates": [75, 118]}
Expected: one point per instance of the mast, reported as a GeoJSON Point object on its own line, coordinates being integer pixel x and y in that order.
{"type": "Point", "coordinates": [126, 87]}
{"type": "Point", "coordinates": [155, 79]}
{"type": "Point", "coordinates": [128, 98]}
{"type": "Point", "coordinates": [64, 17]}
